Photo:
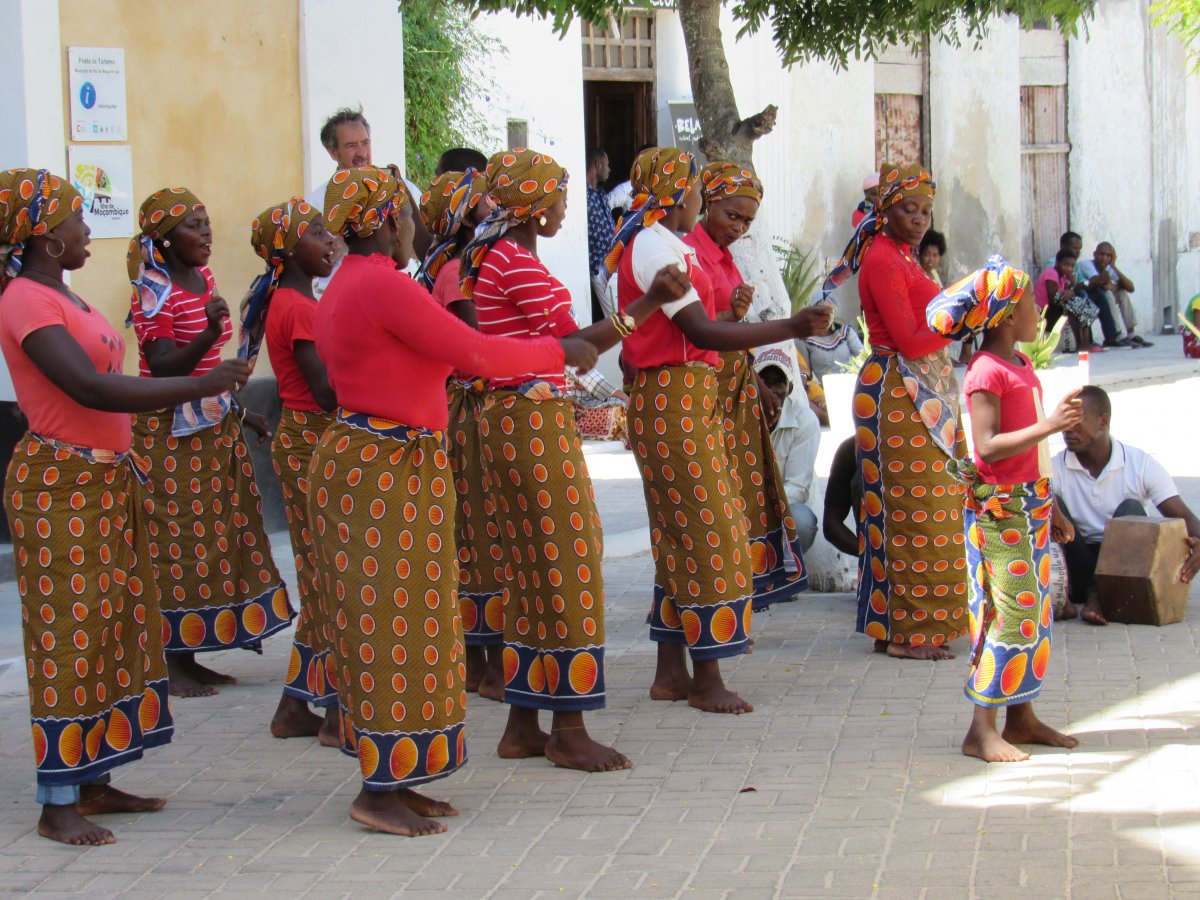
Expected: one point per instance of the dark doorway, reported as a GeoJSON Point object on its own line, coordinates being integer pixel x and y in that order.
{"type": "Point", "coordinates": [619, 116]}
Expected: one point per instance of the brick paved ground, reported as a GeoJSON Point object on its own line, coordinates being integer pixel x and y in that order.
{"type": "Point", "coordinates": [846, 781]}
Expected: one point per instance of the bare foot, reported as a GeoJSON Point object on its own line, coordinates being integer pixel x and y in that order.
{"type": "Point", "coordinates": [522, 737]}
{"type": "Point", "coordinates": [1068, 611]}
{"type": "Point", "coordinates": [476, 663]}
{"type": "Point", "coordinates": [986, 744]}
{"type": "Point", "coordinates": [492, 686]}
{"type": "Point", "coordinates": [671, 679]}
{"type": "Point", "coordinates": [675, 688]}
{"type": "Point", "coordinates": [329, 734]}
{"type": "Point", "coordinates": [425, 806]}
{"type": "Point", "coordinates": [880, 646]}
{"type": "Point", "coordinates": [383, 811]}
{"type": "Point", "coordinates": [98, 799]}
{"type": "Point", "coordinates": [1026, 728]}
{"type": "Point", "coordinates": [709, 694]}
{"type": "Point", "coordinates": [924, 651]}
{"type": "Point", "coordinates": [294, 719]}
{"type": "Point", "coordinates": [574, 748]}
{"type": "Point", "coordinates": [749, 646]}
{"type": "Point", "coordinates": [1091, 612]}
{"type": "Point", "coordinates": [64, 824]}
{"type": "Point", "coordinates": [205, 675]}
{"type": "Point", "coordinates": [180, 682]}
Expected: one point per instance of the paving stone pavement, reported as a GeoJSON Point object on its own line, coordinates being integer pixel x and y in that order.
{"type": "Point", "coordinates": [846, 780]}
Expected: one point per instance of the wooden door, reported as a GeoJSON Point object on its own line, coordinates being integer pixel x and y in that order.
{"type": "Point", "coordinates": [898, 130]}
{"type": "Point", "coordinates": [1044, 149]}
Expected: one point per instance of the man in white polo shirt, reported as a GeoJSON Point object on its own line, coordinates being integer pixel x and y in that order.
{"type": "Point", "coordinates": [1098, 478]}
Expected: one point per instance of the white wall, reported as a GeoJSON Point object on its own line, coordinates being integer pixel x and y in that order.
{"type": "Point", "coordinates": [351, 55]}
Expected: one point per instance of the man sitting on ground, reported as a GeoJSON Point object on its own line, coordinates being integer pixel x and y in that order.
{"type": "Point", "coordinates": [796, 437]}
{"type": "Point", "coordinates": [1098, 478]}
{"type": "Point", "coordinates": [1110, 287]}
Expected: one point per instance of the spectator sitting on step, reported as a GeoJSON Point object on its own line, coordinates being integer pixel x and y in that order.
{"type": "Point", "coordinates": [1191, 339]}
{"type": "Point", "coordinates": [843, 493]}
{"type": "Point", "coordinates": [870, 189]}
{"type": "Point", "coordinates": [1109, 286]}
{"type": "Point", "coordinates": [1097, 478]}
{"type": "Point", "coordinates": [796, 437]}
{"type": "Point", "coordinates": [1056, 295]}
{"type": "Point", "coordinates": [1069, 241]}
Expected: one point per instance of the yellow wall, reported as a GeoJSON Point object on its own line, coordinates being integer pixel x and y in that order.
{"type": "Point", "coordinates": [214, 105]}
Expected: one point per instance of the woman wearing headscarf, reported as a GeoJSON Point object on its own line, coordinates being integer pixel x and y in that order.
{"type": "Point", "coordinates": [382, 503]}
{"type": "Point", "coordinates": [731, 196]}
{"type": "Point", "coordinates": [699, 534]}
{"type": "Point", "coordinates": [912, 586]}
{"type": "Point", "coordinates": [455, 204]}
{"type": "Point", "coordinates": [292, 240]}
{"type": "Point", "coordinates": [220, 588]}
{"type": "Point", "coordinates": [553, 654]}
{"type": "Point", "coordinates": [91, 625]}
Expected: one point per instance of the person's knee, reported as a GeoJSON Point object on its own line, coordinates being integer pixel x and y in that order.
{"type": "Point", "coordinates": [806, 525]}
{"type": "Point", "coordinates": [1129, 507]}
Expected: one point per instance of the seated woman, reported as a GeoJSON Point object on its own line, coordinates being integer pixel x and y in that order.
{"type": "Point", "coordinates": [91, 623]}
{"type": "Point", "coordinates": [383, 513]}
{"type": "Point", "coordinates": [1055, 293]}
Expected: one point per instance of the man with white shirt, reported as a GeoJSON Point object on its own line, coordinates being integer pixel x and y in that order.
{"type": "Point", "coordinates": [1108, 285]}
{"type": "Point", "coordinates": [1098, 478]}
{"type": "Point", "coordinates": [796, 437]}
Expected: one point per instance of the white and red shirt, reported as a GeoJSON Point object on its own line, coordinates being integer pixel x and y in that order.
{"type": "Point", "coordinates": [181, 320]}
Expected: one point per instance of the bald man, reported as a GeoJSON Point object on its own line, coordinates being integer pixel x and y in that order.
{"type": "Point", "coordinates": [1109, 286]}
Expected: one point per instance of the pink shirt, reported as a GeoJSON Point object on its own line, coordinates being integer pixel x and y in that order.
{"type": "Point", "coordinates": [1020, 394]}
{"type": "Point", "coordinates": [516, 296]}
{"type": "Point", "coordinates": [1046, 287]}
{"type": "Point", "coordinates": [180, 320]}
{"type": "Point", "coordinates": [388, 347]}
{"type": "Point", "coordinates": [895, 290]}
{"type": "Point", "coordinates": [290, 319]}
{"type": "Point", "coordinates": [718, 265]}
{"type": "Point", "coordinates": [445, 286]}
{"type": "Point", "coordinates": [26, 307]}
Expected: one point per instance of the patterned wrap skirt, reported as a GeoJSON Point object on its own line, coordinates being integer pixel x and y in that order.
{"type": "Point", "coordinates": [776, 557]}
{"type": "Point", "coordinates": [311, 673]}
{"type": "Point", "coordinates": [89, 610]}
{"type": "Point", "coordinates": [553, 550]}
{"type": "Point", "coordinates": [476, 530]}
{"type": "Point", "coordinates": [1008, 558]}
{"type": "Point", "coordinates": [219, 586]}
{"type": "Point", "coordinates": [703, 581]}
{"type": "Point", "coordinates": [381, 510]}
{"type": "Point", "coordinates": [912, 575]}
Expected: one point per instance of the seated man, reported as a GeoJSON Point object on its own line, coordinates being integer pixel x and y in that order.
{"type": "Point", "coordinates": [1109, 287]}
{"type": "Point", "coordinates": [1096, 479]}
{"type": "Point", "coordinates": [796, 436]}
{"type": "Point", "coordinates": [842, 496]}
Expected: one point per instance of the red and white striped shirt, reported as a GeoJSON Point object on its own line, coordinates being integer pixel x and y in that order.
{"type": "Point", "coordinates": [180, 320]}
{"type": "Point", "coordinates": [516, 296]}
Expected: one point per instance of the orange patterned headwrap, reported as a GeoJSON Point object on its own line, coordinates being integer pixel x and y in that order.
{"type": "Point", "coordinates": [360, 200]}
{"type": "Point", "coordinates": [32, 202]}
{"type": "Point", "coordinates": [661, 177]}
{"type": "Point", "coordinates": [722, 179]}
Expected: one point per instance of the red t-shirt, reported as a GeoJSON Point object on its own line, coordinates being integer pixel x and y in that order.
{"type": "Point", "coordinates": [895, 290]}
{"type": "Point", "coordinates": [180, 320]}
{"type": "Point", "coordinates": [1020, 394]}
{"type": "Point", "coordinates": [388, 346]}
{"type": "Point", "coordinates": [446, 289]}
{"type": "Point", "coordinates": [659, 341]}
{"type": "Point", "coordinates": [516, 296]}
{"type": "Point", "coordinates": [26, 307]}
{"type": "Point", "coordinates": [718, 265]}
{"type": "Point", "coordinates": [290, 319]}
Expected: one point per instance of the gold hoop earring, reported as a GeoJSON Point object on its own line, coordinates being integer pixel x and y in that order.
{"type": "Point", "coordinates": [60, 252]}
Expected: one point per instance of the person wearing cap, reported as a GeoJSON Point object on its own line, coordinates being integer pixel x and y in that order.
{"type": "Point", "coordinates": [870, 189]}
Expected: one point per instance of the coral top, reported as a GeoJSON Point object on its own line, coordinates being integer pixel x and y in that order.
{"type": "Point", "coordinates": [718, 265]}
{"type": "Point", "coordinates": [289, 319]}
{"type": "Point", "coordinates": [1020, 394]}
{"type": "Point", "coordinates": [895, 291]}
{"type": "Point", "coordinates": [26, 307]}
{"type": "Point", "coordinates": [388, 346]}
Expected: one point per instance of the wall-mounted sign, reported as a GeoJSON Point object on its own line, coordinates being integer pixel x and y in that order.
{"type": "Point", "coordinates": [97, 84]}
{"type": "Point", "coordinates": [685, 127]}
{"type": "Point", "coordinates": [104, 175]}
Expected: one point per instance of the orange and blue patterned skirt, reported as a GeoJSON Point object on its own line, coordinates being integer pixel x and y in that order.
{"type": "Point", "coordinates": [912, 576]}
{"type": "Point", "coordinates": [381, 508]}
{"type": "Point", "coordinates": [477, 532]}
{"type": "Point", "coordinates": [698, 536]}
{"type": "Point", "coordinates": [220, 588]}
{"type": "Point", "coordinates": [311, 673]}
{"type": "Point", "coordinates": [89, 610]}
{"type": "Point", "coordinates": [553, 550]}
{"type": "Point", "coordinates": [776, 556]}
{"type": "Point", "coordinates": [1008, 558]}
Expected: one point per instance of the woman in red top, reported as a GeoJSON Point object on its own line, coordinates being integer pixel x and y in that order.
{"type": "Point", "coordinates": [699, 533]}
{"type": "Point", "coordinates": [220, 588]}
{"type": "Point", "coordinates": [382, 511]}
{"type": "Point", "coordinates": [453, 207]}
{"type": "Point", "coordinates": [90, 615]}
{"type": "Point", "coordinates": [731, 198]}
{"type": "Point", "coordinates": [291, 237]}
{"type": "Point", "coordinates": [554, 611]}
{"type": "Point", "coordinates": [912, 587]}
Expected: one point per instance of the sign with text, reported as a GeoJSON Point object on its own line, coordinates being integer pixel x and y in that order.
{"type": "Point", "coordinates": [104, 175]}
{"type": "Point", "coordinates": [97, 84]}
{"type": "Point", "coordinates": [685, 127]}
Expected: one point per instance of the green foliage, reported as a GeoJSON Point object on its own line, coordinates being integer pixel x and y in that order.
{"type": "Point", "coordinates": [799, 270]}
{"type": "Point", "coordinates": [1182, 18]}
{"type": "Point", "coordinates": [857, 360]}
{"type": "Point", "coordinates": [1041, 350]}
{"type": "Point", "coordinates": [443, 62]}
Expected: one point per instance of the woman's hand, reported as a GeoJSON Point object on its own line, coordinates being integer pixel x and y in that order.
{"type": "Point", "coordinates": [812, 320]}
{"type": "Point", "coordinates": [579, 353]}
{"type": "Point", "coordinates": [228, 375]}
{"type": "Point", "coordinates": [740, 300]}
{"type": "Point", "coordinates": [257, 424]}
{"type": "Point", "coordinates": [216, 310]}
{"type": "Point", "coordinates": [670, 283]}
